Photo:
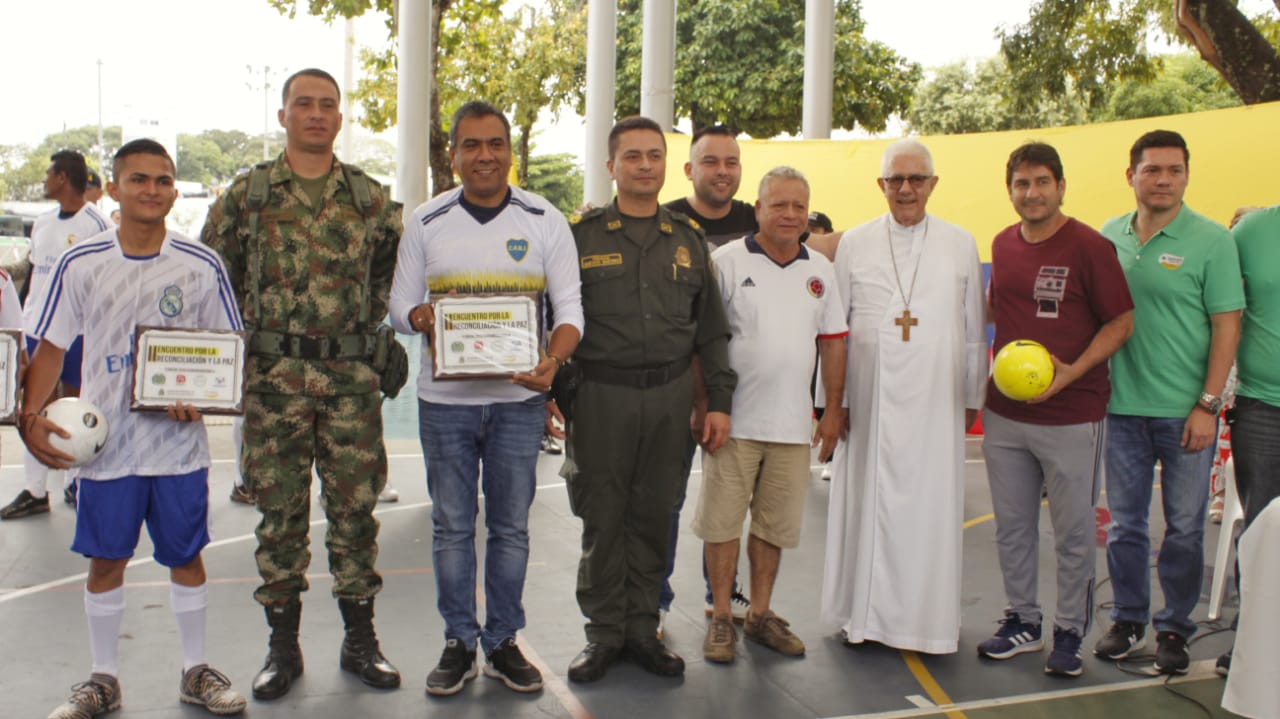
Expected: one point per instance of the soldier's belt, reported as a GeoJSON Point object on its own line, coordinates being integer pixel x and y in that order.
{"type": "Point", "coordinates": [637, 377]}
{"type": "Point", "coordinates": [264, 343]}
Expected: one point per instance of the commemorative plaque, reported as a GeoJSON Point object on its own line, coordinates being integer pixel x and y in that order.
{"type": "Point", "coordinates": [10, 353]}
{"type": "Point", "coordinates": [202, 368]}
{"type": "Point", "coordinates": [485, 336]}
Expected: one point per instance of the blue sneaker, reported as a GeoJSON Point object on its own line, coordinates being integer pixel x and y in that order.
{"type": "Point", "coordinates": [1065, 660]}
{"type": "Point", "coordinates": [1014, 637]}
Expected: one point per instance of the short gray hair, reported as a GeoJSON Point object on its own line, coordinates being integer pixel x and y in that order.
{"type": "Point", "coordinates": [908, 146]}
{"type": "Point", "coordinates": [782, 172]}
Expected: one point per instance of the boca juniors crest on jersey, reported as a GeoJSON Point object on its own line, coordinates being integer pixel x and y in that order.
{"type": "Point", "coordinates": [816, 288]}
{"type": "Point", "coordinates": [517, 247]}
{"type": "Point", "coordinates": [171, 301]}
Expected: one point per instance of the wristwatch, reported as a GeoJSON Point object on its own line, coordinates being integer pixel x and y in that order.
{"type": "Point", "coordinates": [1210, 403]}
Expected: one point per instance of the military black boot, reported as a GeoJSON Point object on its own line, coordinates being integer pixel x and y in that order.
{"type": "Point", "coordinates": [360, 653]}
{"type": "Point", "coordinates": [284, 656]}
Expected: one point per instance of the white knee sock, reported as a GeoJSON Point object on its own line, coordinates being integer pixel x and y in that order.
{"type": "Point", "coordinates": [34, 474]}
{"type": "Point", "coordinates": [106, 612]}
{"type": "Point", "coordinates": [189, 608]}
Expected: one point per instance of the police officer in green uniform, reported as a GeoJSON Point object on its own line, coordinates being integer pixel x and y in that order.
{"type": "Point", "coordinates": [652, 304]}
{"type": "Point", "coordinates": [310, 247]}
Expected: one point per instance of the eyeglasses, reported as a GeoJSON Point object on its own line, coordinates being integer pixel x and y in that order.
{"type": "Point", "coordinates": [895, 182]}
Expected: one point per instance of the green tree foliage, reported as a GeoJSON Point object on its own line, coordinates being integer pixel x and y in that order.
{"type": "Point", "coordinates": [24, 166]}
{"type": "Point", "coordinates": [741, 63]}
{"type": "Point", "coordinates": [557, 178]}
{"type": "Point", "coordinates": [214, 157]}
{"type": "Point", "coordinates": [962, 98]}
{"type": "Point", "coordinates": [1184, 84]}
{"type": "Point", "coordinates": [524, 63]}
{"type": "Point", "coordinates": [1088, 46]}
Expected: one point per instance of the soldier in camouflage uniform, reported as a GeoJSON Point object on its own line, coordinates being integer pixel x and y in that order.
{"type": "Point", "coordinates": [651, 302]}
{"type": "Point", "coordinates": [321, 246]}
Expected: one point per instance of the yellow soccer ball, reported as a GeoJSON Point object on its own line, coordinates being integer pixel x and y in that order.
{"type": "Point", "coordinates": [1022, 370]}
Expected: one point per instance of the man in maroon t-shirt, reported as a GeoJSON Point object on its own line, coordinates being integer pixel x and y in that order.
{"type": "Point", "coordinates": [1058, 282]}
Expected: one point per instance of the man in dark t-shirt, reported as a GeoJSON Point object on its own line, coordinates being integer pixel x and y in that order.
{"type": "Point", "coordinates": [715, 169]}
{"type": "Point", "coordinates": [1058, 282]}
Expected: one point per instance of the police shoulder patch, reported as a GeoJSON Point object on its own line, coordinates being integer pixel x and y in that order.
{"type": "Point", "coordinates": [589, 214]}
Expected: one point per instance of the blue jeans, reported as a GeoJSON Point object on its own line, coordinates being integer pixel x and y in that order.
{"type": "Point", "coordinates": [456, 439]}
{"type": "Point", "coordinates": [1255, 445]}
{"type": "Point", "coordinates": [1134, 445]}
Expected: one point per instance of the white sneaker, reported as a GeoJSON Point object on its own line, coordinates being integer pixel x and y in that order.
{"type": "Point", "coordinates": [826, 472]}
{"type": "Point", "coordinates": [389, 494]}
{"type": "Point", "coordinates": [738, 605]}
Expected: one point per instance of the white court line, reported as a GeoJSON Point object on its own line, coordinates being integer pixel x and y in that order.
{"type": "Point", "coordinates": [142, 561]}
{"type": "Point", "coordinates": [921, 702]}
{"type": "Point", "coordinates": [1199, 670]}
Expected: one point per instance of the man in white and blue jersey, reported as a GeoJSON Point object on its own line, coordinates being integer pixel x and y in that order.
{"type": "Point", "coordinates": [155, 466]}
{"type": "Point", "coordinates": [74, 220]}
{"type": "Point", "coordinates": [486, 237]}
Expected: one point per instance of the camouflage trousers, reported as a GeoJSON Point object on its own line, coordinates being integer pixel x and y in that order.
{"type": "Point", "coordinates": [284, 435]}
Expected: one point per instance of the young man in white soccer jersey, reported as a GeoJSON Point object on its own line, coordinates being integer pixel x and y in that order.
{"type": "Point", "coordinates": [155, 466]}
{"type": "Point", "coordinates": [75, 219]}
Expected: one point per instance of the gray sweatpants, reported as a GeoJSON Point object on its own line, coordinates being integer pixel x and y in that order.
{"type": "Point", "coordinates": [1067, 461]}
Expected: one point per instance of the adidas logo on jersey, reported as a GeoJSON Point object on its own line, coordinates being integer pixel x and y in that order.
{"type": "Point", "coordinates": [748, 283]}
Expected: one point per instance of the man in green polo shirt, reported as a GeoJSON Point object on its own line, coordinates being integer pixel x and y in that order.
{"type": "Point", "coordinates": [1255, 419]}
{"type": "Point", "coordinates": [1184, 275]}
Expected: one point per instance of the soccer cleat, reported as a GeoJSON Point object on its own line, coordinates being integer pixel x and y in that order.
{"type": "Point", "coordinates": [205, 686]}
{"type": "Point", "coordinates": [507, 664]}
{"type": "Point", "coordinates": [99, 695]}
{"type": "Point", "coordinates": [1065, 660]}
{"type": "Point", "coordinates": [1172, 656]}
{"type": "Point", "coordinates": [457, 665]}
{"type": "Point", "coordinates": [1012, 638]}
{"type": "Point", "coordinates": [25, 505]}
{"type": "Point", "coordinates": [1121, 640]}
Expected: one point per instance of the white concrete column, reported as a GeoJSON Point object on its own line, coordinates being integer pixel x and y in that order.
{"type": "Point", "coordinates": [413, 104]}
{"type": "Point", "coordinates": [348, 84]}
{"type": "Point", "coordinates": [819, 61]}
{"type": "Point", "coordinates": [602, 32]}
{"type": "Point", "coordinates": [658, 63]}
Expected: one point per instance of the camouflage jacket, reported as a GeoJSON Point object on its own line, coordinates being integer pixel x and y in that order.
{"type": "Point", "coordinates": [313, 263]}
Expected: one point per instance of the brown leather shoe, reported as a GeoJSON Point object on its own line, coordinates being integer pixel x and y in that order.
{"type": "Point", "coordinates": [653, 656]}
{"type": "Point", "coordinates": [592, 663]}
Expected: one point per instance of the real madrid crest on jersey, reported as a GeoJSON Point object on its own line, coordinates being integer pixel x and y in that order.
{"type": "Point", "coordinates": [71, 239]}
{"type": "Point", "coordinates": [171, 301]}
{"type": "Point", "coordinates": [816, 288]}
{"type": "Point", "coordinates": [517, 247]}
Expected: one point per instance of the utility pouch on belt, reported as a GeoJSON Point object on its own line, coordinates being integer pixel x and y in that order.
{"type": "Point", "coordinates": [390, 361]}
{"type": "Point", "coordinates": [564, 388]}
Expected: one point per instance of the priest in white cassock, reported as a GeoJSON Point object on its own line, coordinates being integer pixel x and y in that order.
{"type": "Point", "coordinates": [917, 369]}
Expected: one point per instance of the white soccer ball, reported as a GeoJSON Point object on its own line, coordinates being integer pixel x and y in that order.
{"type": "Point", "coordinates": [84, 422]}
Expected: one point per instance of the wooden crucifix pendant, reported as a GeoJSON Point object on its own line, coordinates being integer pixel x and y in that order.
{"type": "Point", "coordinates": [906, 322]}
